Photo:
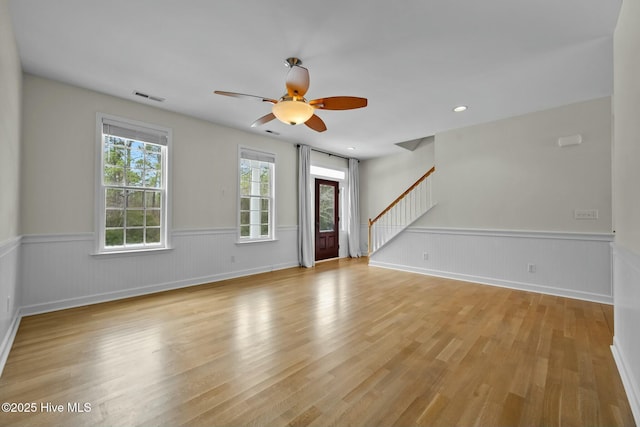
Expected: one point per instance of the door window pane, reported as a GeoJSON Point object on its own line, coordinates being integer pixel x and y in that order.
{"type": "Point", "coordinates": [327, 207]}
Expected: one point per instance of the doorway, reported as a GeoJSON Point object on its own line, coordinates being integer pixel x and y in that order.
{"type": "Point", "coordinates": [326, 219]}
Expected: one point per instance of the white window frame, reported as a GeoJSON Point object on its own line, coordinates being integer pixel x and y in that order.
{"type": "Point", "coordinates": [255, 154]}
{"type": "Point", "coordinates": [165, 139]}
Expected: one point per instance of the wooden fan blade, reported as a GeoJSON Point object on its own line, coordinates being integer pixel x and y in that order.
{"type": "Point", "coordinates": [242, 95]}
{"type": "Point", "coordinates": [316, 124]}
{"type": "Point", "coordinates": [339, 103]}
{"type": "Point", "coordinates": [262, 120]}
{"type": "Point", "coordinates": [297, 81]}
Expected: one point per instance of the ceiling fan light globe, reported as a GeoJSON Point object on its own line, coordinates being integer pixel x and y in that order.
{"type": "Point", "coordinates": [293, 112]}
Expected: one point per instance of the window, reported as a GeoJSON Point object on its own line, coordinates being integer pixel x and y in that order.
{"type": "Point", "coordinates": [132, 195]}
{"type": "Point", "coordinates": [256, 211]}
{"type": "Point", "coordinates": [329, 173]}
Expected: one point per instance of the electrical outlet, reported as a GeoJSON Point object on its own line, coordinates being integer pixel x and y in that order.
{"type": "Point", "coordinates": [425, 256]}
{"type": "Point", "coordinates": [531, 268]}
{"type": "Point", "coordinates": [233, 258]}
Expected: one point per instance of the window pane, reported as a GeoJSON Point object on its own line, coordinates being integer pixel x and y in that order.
{"type": "Point", "coordinates": [153, 235]}
{"type": "Point", "coordinates": [327, 214]}
{"type": "Point", "coordinates": [244, 230]}
{"type": "Point", "coordinates": [136, 159]}
{"type": "Point", "coordinates": [153, 161]}
{"type": "Point", "coordinates": [135, 145]}
{"type": "Point", "coordinates": [264, 229]}
{"type": "Point", "coordinates": [113, 175]}
{"type": "Point", "coordinates": [264, 189]}
{"type": "Point", "coordinates": [153, 199]}
{"type": "Point", "coordinates": [245, 180]}
{"type": "Point", "coordinates": [152, 179]}
{"type": "Point", "coordinates": [135, 218]}
{"type": "Point", "coordinates": [114, 198]}
{"type": "Point", "coordinates": [264, 217]}
{"type": "Point", "coordinates": [114, 237]}
{"type": "Point", "coordinates": [115, 140]}
{"type": "Point", "coordinates": [135, 177]}
{"type": "Point", "coordinates": [135, 198]}
{"type": "Point", "coordinates": [264, 204]}
{"type": "Point", "coordinates": [135, 236]}
{"type": "Point", "coordinates": [244, 203]}
{"type": "Point", "coordinates": [244, 218]}
{"type": "Point", "coordinates": [153, 218]}
{"type": "Point", "coordinates": [153, 148]}
{"type": "Point", "coordinates": [265, 173]}
{"type": "Point", "coordinates": [114, 218]}
{"type": "Point", "coordinates": [114, 155]}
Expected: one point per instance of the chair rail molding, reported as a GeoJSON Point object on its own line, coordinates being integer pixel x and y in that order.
{"type": "Point", "coordinates": [574, 265]}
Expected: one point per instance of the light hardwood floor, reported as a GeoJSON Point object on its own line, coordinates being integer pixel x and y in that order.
{"type": "Point", "coordinates": [340, 344]}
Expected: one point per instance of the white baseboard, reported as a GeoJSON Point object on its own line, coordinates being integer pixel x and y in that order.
{"type": "Point", "coordinates": [626, 342]}
{"type": "Point", "coordinates": [7, 341]}
{"type": "Point", "coordinates": [60, 272]}
{"type": "Point", "coordinates": [10, 295]}
{"type": "Point", "coordinates": [604, 299]}
{"type": "Point", "coordinates": [633, 394]}
{"type": "Point", "coordinates": [144, 290]}
{"type": "Point", "coordinates": [573, 265]}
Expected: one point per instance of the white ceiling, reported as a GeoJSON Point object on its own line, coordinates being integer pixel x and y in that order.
{"type": "Point", "coordinates": [413, 59]}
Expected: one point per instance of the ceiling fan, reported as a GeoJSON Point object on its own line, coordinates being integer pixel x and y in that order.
{"type": "Point", "coordinates": [292, 108]}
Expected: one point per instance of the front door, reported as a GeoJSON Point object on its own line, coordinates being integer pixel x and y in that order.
{"type": "Point", "coordinates": [327, 231]}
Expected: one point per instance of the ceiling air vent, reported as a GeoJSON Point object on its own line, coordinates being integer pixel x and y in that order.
{"type": "Point", "coordinates": [147, 96]}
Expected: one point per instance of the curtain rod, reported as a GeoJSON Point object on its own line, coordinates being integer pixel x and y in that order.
{"type": "Point", "coordinates": [329, 154]}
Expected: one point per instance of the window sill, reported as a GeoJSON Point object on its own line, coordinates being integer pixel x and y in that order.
{"type": "Point", "coordinates": [128, 252]}
{"type": "Point", "coordinates": [248, 242]}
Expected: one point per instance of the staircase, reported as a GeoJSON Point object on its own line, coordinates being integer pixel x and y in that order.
{"type": "Point", "coordinates": [401, 213]}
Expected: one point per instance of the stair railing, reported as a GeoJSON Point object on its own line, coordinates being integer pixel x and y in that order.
{"type": "Point", "coordinates": [414, 202]}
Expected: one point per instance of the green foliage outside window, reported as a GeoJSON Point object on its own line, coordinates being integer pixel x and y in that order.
{"type": "Point", "coordinates": [133, 198]}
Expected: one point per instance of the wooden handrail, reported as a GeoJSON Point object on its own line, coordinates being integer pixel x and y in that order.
{"type": "Point", "coordinates": [400, 197]}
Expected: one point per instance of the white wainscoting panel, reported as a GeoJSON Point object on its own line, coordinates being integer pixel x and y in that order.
{"type": "Point", "coordinates": [59, 271]}
{"type": "Point", "coordinates": [626, 338]}
{"type": "Point", "coordinates": [573, 265]}
{"type": "Point", "coordinates": [10, 298]}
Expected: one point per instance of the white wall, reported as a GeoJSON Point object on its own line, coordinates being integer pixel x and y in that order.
{"type": "Point", "coordinates": [58, 269]}
{"type": "Point", "coordinates": [506, 194]}
{"type": "Point", "coordinates": [10, 110]}
{"type": "Point", "coordinates": [512, 175]}
{"type": "Point", "coordinates": [626, 208]}
{"type": "Point", "coordinates": [59, 146]}
{"type": "Point", "coordinates": [10, 87]}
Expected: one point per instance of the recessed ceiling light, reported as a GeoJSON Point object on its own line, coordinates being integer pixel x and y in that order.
{"type": "Point", "coordinates": [460, 108]}
{"type": "Point", "coordinates": [351, 148]}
